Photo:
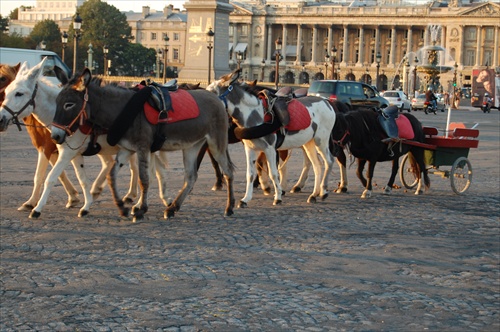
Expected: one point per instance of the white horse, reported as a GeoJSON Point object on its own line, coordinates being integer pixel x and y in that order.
{"type": "Point", "coordinates": [31, 93]}
{"type": "Point", "coordinates": [248, 111]}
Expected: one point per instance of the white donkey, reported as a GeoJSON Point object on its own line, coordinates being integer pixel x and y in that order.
{"type": "Point", "coordinates": [31, 93]}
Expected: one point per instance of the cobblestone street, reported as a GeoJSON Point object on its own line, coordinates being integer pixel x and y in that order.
{"type": "Point", "coordinates": [387, 263]}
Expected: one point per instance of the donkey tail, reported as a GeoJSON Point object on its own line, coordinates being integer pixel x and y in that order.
{"type": "Point", "coordinates": [418, 167]}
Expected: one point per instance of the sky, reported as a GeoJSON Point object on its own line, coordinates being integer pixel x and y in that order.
{"type": "Point", "coordinates": [6, 6]}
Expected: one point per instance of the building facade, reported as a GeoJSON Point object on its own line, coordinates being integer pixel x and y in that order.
{"type": "Point", "coordinates": [340, 39]}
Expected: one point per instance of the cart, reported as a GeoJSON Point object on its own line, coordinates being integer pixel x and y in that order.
{"type": "Point", "coordinates": [451, 150]}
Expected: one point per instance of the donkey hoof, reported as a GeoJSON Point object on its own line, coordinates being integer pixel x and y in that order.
{"type": "Point", "coordinates": [128, 200]}
{"type": "Point", "coordinates": [138, 215]}
{"type": "Point", "coordinates": [242, 204]}
{"type": "Point", "coordinates": [35, 214]}
{"type": "Point", "coordinates": [217, 187]}
{"type": "Point", "coordinates": [311, 199]}
{"type": "Point", "coordinates": [229, 213]}
{"type": "Point", "coordinates": [419, 192]}
{"type": "Point", "coordinates": [124, 211]}
{"type": "Point", "coordinates": [325, 196]}
{"type": "Point", "coordinates": [277, 202]}
{"type": "Point", "coordinates": [267, 191]}
{"type": "Point", "coordinates": [341, 190]}
{"type": "Point", "coordinates": [169, 213]}
{"type": "Point", "coordinates": [296, 190]}
{"type": "Point", "coordinates": [83, 213]}
{"type": "Point", "coordinates": [72, 203]}
{"type": "Point", "coordinates": [366, 194]}
{"type": "Point", "coordinates": [387, 191]}
{"type": "Point", "coordinates": [25, 207]}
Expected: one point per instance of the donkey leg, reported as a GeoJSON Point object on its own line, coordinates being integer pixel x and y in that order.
{"type": "Point", "coordinates": [273, 173]}
{"type": "Point", "coordinates": [227, 167]}
{"type": "Point", "coordinates": [41, 169]}
{"type": "Point", "coordinates": [160, 164]}
{"type": "Point", "coordinates": [367, 193]}
{"type": "Point", "coordinates": [262, 174]}
{"type": "Point", "coordinates": [120, 160]}
{"type": "Point", "coordinates": [306, 165]}
{"type": "Point", "coordinates": [327, 157]}
{"type": "Point", "coordinates": [342, 162]}
{"type": "Point", "coordinates": [141, 207]}
{"type": "Point", "coordinates": [66, 183]}
{"type": "Point", "coordinates": [190, 177]}
{"type": "Point", "coordinates": [134, 178]}
{"type": "Point", "coordinates": [98, 185]}
{"type": "Point", "coordinates": [250, 176]}
{"type": "Point", "coordinates": [79, 167]}
{"type": "Point", "coordinates": [64, 158]}
{"type": "Point", "coordinates": [310, 149]}
{"type": "Point", "coordinates": [394, 172]}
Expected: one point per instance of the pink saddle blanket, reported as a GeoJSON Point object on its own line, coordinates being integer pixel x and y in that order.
{"type": "Point", "coordinates": [184, 107]}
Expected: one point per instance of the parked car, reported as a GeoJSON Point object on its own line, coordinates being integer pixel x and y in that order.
{"type": "Point", "coordinates": [417, 103]}
{"type": "Point", "coordinates": [399, 99]}
{"type": "Point", "coordinates": [356, 95]}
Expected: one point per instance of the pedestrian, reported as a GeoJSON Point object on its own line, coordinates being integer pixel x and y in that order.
{"type": "Point", "coordinates": [456, 100]}
{"type": "Point", "coordinates": [446, 98]}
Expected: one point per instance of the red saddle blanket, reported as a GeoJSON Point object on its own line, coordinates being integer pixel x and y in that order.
{"type": "Point", "coordinates": [299, 116]}
{"type": "Point", "coordinates": [405, 129]}
{"type": "Point", "coordinates": [184, 107]}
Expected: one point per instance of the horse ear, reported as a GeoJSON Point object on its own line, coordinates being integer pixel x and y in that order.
{"type": "Point", "coordinates": [61, 75]}
{"type": "Point", "coordinates": [24, 67]}
{"type": "Point", "coordinates": [83, 81]}
{"type": "Point", "coordinates": [16, 67]}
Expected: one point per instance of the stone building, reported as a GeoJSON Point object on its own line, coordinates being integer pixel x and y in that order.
{"type": "Point", "coordinates": [310, 31]}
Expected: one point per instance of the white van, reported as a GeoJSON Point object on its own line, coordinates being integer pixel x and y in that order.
{"type": "Point", "coordinates": [12, 56]}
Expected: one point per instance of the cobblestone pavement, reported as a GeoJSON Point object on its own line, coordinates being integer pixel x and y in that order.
{"type": "Point", "coordinates": [388, 263]}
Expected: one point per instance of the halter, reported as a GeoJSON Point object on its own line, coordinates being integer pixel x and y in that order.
{"type": "Point", "coordinates": [341, 142]}
{"type": "Point", "coordinates": [82, 116]}
{"type": "Point", "coordinates": [223, 96]}
{"type": "Point", "coordinates": [15, 119]}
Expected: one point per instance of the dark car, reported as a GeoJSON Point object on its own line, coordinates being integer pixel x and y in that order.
{"type": "Point", "coordinates": [356, 95]}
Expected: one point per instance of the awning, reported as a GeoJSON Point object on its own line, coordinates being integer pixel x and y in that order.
{"type": "Point", "coordinates": [230, 47]}
{"type": "Point", "coordinates": [240, 47]}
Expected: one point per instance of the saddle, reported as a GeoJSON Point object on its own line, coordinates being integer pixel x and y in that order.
{"type": "Point", "coordinates": [160, 96]}
{"type": "Point", "coordinates": [387, 119]}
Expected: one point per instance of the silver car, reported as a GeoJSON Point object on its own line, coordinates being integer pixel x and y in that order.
{"type": "Point", "coordinates": [399, 99]}
{"type": "Point", "coordinates": [417, 103]}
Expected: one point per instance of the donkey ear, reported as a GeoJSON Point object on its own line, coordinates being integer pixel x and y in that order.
{"type": "Point", "coordinates": [83, 81]}
{"type": "Point", "coordinates": [235, 76]}
{"type": "Point", "coordinates": [61, 75]}
{"type": "Point", "coordinates": [16, 67]}
{"type": "Point", "coordinates": [36, 71]}
{"type": "Point", "coordinates": [24, 67]}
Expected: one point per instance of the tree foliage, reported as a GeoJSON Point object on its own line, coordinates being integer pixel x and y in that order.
{"type": "Point", "coordinates": [47, 31]}
{"type": "Point", "coordinates": [103, 24]}
{"type": "Point", "coordinates": [4, 24]}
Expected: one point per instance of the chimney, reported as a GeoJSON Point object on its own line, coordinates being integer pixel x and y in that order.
{"type": "Point", "coordinates": [145, 11]}
{"type": "Point", "coordinates": [167, 10]}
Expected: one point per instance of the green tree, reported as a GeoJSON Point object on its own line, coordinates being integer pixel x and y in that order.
{"type": "Point", "coordinates": [4, 24]}
{"type": "Point", "coordinates": [13, 40]}
{"type": "Point", "coordinates": [14, 14]}
{"type": "Point", "coordinates": [48, 31]}
{"type": "Point", "coordinates": [102, 24]}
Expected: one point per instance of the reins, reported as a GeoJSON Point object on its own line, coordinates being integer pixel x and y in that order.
{"type": "Point", "coordinates": [15, 115]}
{"type": "Point", "coordinates": [82, 116]}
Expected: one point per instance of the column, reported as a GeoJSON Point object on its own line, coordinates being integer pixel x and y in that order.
{"type": "Point", "coordinates": [426, 36]}
{"type": "Point", "coordinates": [314, 47]}
{"type": "Point", "coordinates": [393, 47]}
{"type": "Point", "coordinates": [284, 38]}
{"type": "Point", "coordinates": [495, 49]}
{"type": "Point", "coordinates": [270, 41]}
{"type": "Point", "coordinates": [409, 41]}
{"type": "Point", "coordinates": [462, 45]}
{"type": "Point", "coordinates": [299, 44]}
{"type": "Point", "coordinates": [345, 49]}
{"type": "Point", "coordinates": [330, 39]}
{"type": "Point", "coordinates": [478, 45]}
{"type": "Point", "coordinates": [235, 40]}
{"type": "Point", "coordinates": [361, 49]}
{"type": "Point", "coordinates": [377, 44]}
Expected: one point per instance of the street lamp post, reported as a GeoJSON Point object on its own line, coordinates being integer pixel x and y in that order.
{"type": "Point", "coordinates": [263, 65]}
{"type": "Point", "coordinates": [64, 40]}
{"type": "Point", "coordinates": [90, 53]}
{"type": "Point", "coordinates": [239, 58]}
{"type": "Point", "coordinates": [367, 72]}
{"type": "Point", "coordinates": [210, 40]}
{"type": "Point", "coordinates": [455, 101]}
{"type": "Point", "coordinates": [277, 54]}
{"type": "Point", "coordinates": [166, 39]}
{"type": "Point", "coordinates": [327, 60]}
{"type": "Point", "coordinates": [105, 51]}
{"type": "Point", "coordinates": [415, 77]}
{"type": "Point", "coordinates": [334, 57]}
{"type": "Point", "coordinates": [159, 56]}
{"type": "Point", "coordinates": [77, 25]}
{"type": "Point", "coordinates": [378, 57]}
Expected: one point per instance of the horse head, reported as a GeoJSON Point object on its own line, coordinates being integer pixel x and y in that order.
{"type": "Point", "coordinates": [20, 95]}
{"type": "Point", "coordinates": [71, 104]}
{"type": "Point", "coordinates": [7, 75]}
{"type": "Point", "coordinates": [224, 81]}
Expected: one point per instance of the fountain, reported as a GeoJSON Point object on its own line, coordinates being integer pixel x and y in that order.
{"type": "Point", "coordinates": [431, 65]}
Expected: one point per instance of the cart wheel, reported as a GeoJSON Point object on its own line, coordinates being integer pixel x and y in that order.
{"type": "Point", "coordinates": [408, 179]}
{"type": "Point", "coordinates": [461, 175]}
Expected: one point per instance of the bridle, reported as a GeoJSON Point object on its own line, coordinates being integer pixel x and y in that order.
{"type": "Point", "coordinates": [15, 115]}
{"type": "Point", "coordinates": [82, 116]}
{"type": "Point", "coordinates": [341, 142]}
{"type": "Point", "coordinates": [223, 96]}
